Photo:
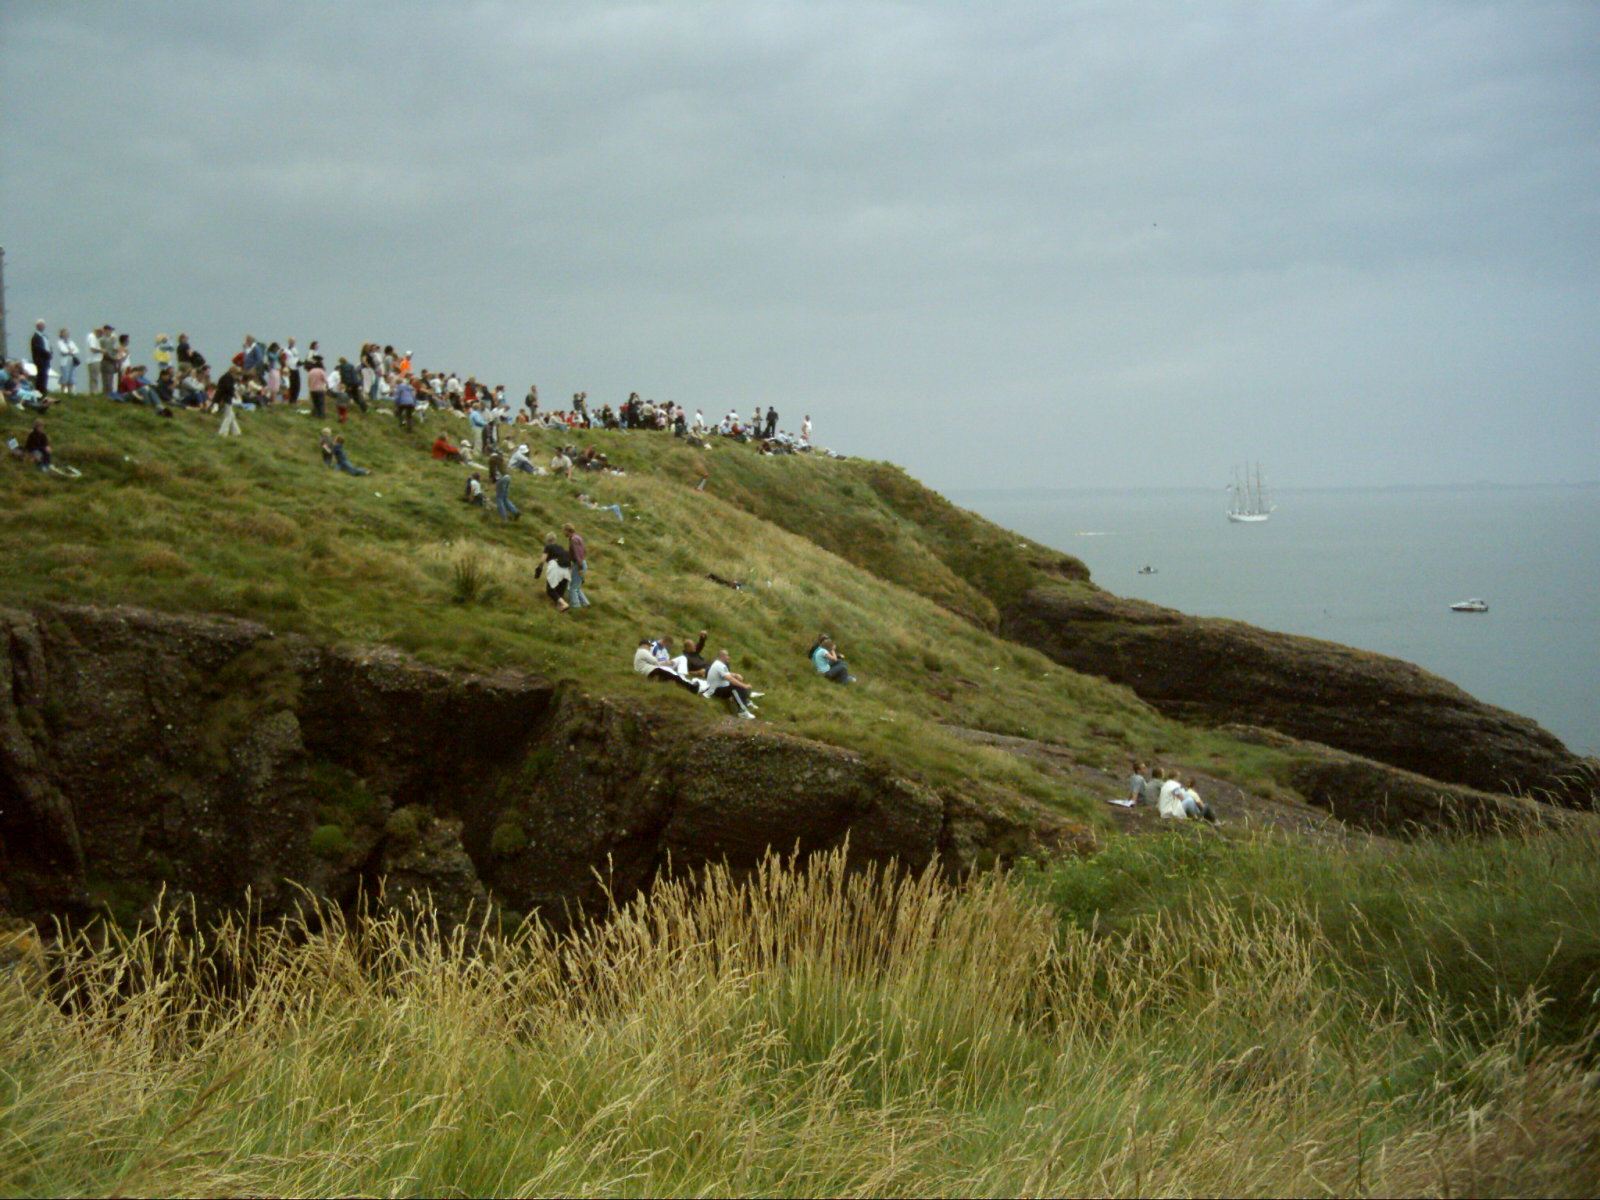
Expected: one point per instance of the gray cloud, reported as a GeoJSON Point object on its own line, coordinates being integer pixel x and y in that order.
{"type": "Point", "coordinates": [1035, 243]}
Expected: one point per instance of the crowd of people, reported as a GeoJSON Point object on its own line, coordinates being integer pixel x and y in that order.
{"type": "Point", "coordinates": [176, 377]}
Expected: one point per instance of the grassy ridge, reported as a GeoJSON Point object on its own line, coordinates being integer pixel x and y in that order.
{"type": "Point", "coordinates": [170, 516]}
{"type": "Point", "coordinates": [801, 1033]}
{"type": "Point", "coordinates": [1181, 1014]}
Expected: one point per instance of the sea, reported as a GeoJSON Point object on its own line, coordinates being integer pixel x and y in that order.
{"type": "Point", "coordinates": [1375, 568]}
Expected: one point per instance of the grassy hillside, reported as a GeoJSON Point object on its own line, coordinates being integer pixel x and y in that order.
{"type": "Point", "coordinates": [170, 516]}
{"type": "Point", "coordinates": [1181, 1014]}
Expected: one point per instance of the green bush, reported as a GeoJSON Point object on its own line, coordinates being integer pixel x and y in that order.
{"type": "Point", "coordinates": [329, 841]}
{"type": "Point", "coordinates": [507, 839]}
{"type": "Point", "coordinates": [406, 822]}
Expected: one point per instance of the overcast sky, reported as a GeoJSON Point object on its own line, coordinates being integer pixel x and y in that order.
{"type": "Point", "coordinates": [1051, 244]}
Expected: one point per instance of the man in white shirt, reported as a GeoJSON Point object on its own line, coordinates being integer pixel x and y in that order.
{"type": "Point", "coordinates": [291, 368]}
{"type": "Point", "coordinates": [93, 343]}
{"type": "Point", "coordinates": [721, 681]}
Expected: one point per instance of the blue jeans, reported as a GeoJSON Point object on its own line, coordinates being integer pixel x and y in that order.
{"type": "Point", "coordinates": [575, 596]}
{"type": "Point", "coordinates": [502, 498]}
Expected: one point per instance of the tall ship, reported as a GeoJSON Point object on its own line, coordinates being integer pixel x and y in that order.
{"type": "Point", "coordinates": [1250, 500]}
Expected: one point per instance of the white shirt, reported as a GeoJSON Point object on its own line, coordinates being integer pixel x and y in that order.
{"type": "Point", "coordinates": [1171, 802]}
{"type": "Point", "coordinates": [66, 346]}
{"type": "Point", "coordinates": [716, 674]}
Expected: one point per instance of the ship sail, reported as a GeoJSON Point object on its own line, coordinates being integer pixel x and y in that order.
{"type": "Point", "coordinates": [1251, 503]}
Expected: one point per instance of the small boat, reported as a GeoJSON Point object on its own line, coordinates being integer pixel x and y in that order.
{"type": "Point", "coordinates": [1147, 571]}
{"type": "Point", "coordinates": [1251, 504]}
{"type": "Point", "coordinates": [1473, 605]}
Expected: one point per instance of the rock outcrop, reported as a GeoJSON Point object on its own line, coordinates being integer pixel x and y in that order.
{"type": "Point", "coordinates": [225, 764]}
{"type": "Point", "coordinates": [1378, 798]}
{"type": "Point", "coordinates": [1215, 672]}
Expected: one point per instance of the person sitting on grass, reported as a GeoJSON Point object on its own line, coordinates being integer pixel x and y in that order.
{"type": "Point", "coordinates": [442, 449]}
{"type": "Point", "coordinates": [1135, 786]}
{"type": "Point", "coordinates": [342, 460]}
{"type": "Point", "coordinates": [691, 664]}
{"type": "Point", "coordinates": [1152, 785]}
{"type": "Point", "coordinates": [1193, 806]}
{"type": "Point", "coordinates": [825, 657]}
{"type": "Point", "coordinates": [37, 447]}
{"type": "Point", "coordinates": [325, 444]}
{"type": "Point", "coordinates": [473, 492]}
{"type": "Point", "coordinates": [647, 664]}
{"type": "Point", "coordinates": [521, 462]}
{"type": "Point", "coordinates": [722, 682]}
{"type": "Point", "coordinates": [1178, 803]}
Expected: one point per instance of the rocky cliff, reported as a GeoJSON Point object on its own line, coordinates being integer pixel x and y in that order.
{"type": "Point", "coordinates": [215, 760]}
{"type": "Point", "coordinates": [1216, 672]}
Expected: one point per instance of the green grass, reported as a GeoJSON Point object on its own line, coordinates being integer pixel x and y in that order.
{"type": "Point", "coordinates": [1467, 927]}
{"type": "Point", "coordinates": [800, 1032]}
{"type": "Point", "coordinates": [172, 517]}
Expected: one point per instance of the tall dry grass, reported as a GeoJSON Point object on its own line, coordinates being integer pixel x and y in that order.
{"type": "Point", "coordinates": [806, 1030]}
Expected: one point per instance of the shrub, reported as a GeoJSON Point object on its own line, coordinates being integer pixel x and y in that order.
{"type": "Point", "coordinates": [507, 839]}
{"type": "Point", "coordinates": [329, 841]}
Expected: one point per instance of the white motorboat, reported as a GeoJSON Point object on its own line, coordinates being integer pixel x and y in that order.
{"type": "Point", "coordinates": [1473, 605]}
{"type": "Point", "coordinates": [1251, 504]}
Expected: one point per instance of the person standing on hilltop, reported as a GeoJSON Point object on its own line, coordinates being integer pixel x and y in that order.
{"type": "Point", "coordinates": [317, 385]}
{"type": "Point", "coordinates": [67, 356]}
{"type": "Point", "coordinates": [291, 370]}
{"type": "Point", "coordinates": [805, 431]}
{"type": "Point", "coordinates": [223, 397]}
{"type": "Point", "coordinates": [42, 354]}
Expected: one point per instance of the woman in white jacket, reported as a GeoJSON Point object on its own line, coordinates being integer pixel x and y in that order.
{"type": "Point", "coordinates": [66, 359]}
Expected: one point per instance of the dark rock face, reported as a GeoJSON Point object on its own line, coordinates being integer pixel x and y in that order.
{"type": "Point", "coordinates": [1378, 798]}
{"type": "Point", "coordinates": [210, 758]}
{"type": "Point", "coordinates": [1214, 672]}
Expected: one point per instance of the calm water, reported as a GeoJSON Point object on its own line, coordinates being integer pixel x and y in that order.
{"type": "Point", "coordinates": [1374, 568]}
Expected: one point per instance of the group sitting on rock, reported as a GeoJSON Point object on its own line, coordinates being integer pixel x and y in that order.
{"type": "Point", "coordinates": [1173, 800]}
